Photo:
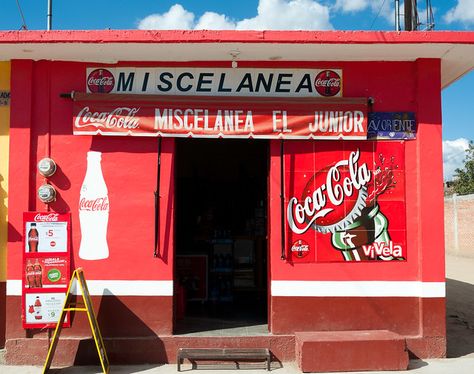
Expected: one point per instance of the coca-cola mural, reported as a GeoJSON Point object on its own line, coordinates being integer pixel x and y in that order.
{"type": "Point", "coordinates": [345, 201]}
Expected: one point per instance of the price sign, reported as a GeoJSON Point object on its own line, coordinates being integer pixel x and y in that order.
{"type": "Point", "coordinates": [46, 267]}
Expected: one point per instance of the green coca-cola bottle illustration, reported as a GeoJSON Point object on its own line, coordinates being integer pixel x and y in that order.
{"type": "Point", "coordinates": [367, 237]}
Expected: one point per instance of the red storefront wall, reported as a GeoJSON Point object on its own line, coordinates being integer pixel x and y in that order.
{"type": "Point", "coordinates": [133, 290]}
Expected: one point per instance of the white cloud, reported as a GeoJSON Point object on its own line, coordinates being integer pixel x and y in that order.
{"type": "Point", "coordinates": [175, 18]}
{"type": "Point", "coordinates": [352, 5]}
{"type": "Point", "coordinates": [214, 21]}
{"type": "Point", "coordinates": [387, 11]}
{"type": "Point", "coordinates": [453, 156]}
{"type": "Point", "coordinates": [384, 9]}
{"type": "Point", "coordinates": [288, 15]}
{"type": "Point", "coordinates": [463, 12]}
{"type": "Point", "coordinates": [271, 15]}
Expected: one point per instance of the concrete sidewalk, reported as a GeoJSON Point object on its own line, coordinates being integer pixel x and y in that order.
{"type": "Point", "coordinates": [442, 366]}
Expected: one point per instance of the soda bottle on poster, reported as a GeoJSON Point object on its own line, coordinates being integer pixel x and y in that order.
{"type": "Point", "coordinates": [37, 308]}
{"type": "Point", "coordinates": [38, 274]}
{"type": "Point", "coordinates": [30, 275]}
{"type": "Point", "coordinates": [94, 211]}
{"type": "Point", "coordinates": [33, 238]}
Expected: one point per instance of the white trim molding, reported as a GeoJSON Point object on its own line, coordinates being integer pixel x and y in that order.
{"type": "Point", "coordinates": [358, 289]}
{"type": "Point", "coordinates": [112, 287]}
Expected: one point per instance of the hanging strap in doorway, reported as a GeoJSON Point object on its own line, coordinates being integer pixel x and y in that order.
{"type": "Point", "coordinates": [156, 252]}
{"type": "Point", "coordinates": [282, 199]}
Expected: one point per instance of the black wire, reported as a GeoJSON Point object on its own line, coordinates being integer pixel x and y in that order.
{"type": "Point", "coordinates": [23, 26]}
{"type": "Point", "coordinates": [416, 16]}
{"type": "Point", "coordinates": [377, 16]}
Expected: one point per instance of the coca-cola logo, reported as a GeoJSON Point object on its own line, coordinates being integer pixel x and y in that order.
{"type": "Point", "coordinates": [51, 217]}
{"type": "Point", "coordinates": [94, 205]}
{"type": "Point", "coordinates": [122, 117]}
{"type": "Point", "coordinates": [337, 200]}
{"type": "Point", "coordinates": [328, 83]}
{"type": "Point", "coordinates": [100, 81]}
{"type": "Point", "coordinates": [300, 248]}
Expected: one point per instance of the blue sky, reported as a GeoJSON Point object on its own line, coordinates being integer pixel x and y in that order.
{"type": "Point", "coordinates": [265, 14]}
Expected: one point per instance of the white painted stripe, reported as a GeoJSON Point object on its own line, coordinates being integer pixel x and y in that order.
{"type": "Point", "coordinates": [359, 288]}
{"type": "Point", "coordinates": [113, 287]}
{"type": "Point", "coordinates": [279, 288]}
{"type": "Point", "coordinates": [13, 287]}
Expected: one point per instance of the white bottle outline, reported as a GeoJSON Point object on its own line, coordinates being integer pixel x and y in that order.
{"type": "Point", "coordinates": [94, 222]}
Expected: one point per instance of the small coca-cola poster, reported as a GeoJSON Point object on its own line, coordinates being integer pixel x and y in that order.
{"type": "Point", "coordinates": [46, 232]}
{"type": "Point", "coordinates": [345, 201]}
{"type": "Point", "coordinates": [43, 308]}
{"type": "Point", "coordinates": [46, 267]}
{"type": "Point", "coordinates": [301, 251]}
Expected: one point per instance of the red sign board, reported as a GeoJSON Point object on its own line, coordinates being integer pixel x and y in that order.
{"type": "Point", "coordinates": [345, 201]}
{"type": "Point", "coordinates": [206, 117]}
{"type": "Point", "coordinates": [46, 267]}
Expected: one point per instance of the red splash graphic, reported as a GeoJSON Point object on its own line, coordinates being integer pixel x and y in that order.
{"type": "Point", "coordinates": [383, 180]}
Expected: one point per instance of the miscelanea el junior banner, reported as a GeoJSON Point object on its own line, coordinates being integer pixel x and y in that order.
{"type": "Point", "coordinates": [345, 201]}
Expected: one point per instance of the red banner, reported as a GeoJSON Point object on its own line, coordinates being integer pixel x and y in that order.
{"type": "Point", "coordinates": [210, 117]}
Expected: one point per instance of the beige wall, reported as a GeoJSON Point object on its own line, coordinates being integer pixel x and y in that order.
{"type": "Point", "coordinates": [4, 148]}
{"type": "Point", "coordinates": [459, 225]}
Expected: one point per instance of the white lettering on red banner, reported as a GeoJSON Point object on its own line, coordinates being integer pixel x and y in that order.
{"type": "Point", "coordinates": [118, 117]}
{"type": "Point", "coordinates": [211, 118]}
{"type": "Point", "coordinates": [382, 249]}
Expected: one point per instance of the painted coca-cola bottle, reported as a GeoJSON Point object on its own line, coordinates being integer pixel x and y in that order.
{"type": "Point", "coordinates": [37, 308]}
{"type": "Point", "coordinates": [33, 238]}
{"type": "Point", "coordinates": [94, 211]}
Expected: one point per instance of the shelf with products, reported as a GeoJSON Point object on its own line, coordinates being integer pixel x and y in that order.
{"type": "Point", "coordinates": [221, 271]}
{"type": "Point", "coordinates": [236, 263]}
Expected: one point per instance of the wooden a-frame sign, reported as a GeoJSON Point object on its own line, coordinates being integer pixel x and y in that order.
{"type": "Point", "coordinates": [78, 275]}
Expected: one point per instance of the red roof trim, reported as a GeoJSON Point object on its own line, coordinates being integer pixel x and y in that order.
{"type": "Point", "coordinates": [204, 36]}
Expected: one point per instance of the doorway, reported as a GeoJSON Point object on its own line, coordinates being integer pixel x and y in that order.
{"type": "Point", "coordinates": [221, 231]}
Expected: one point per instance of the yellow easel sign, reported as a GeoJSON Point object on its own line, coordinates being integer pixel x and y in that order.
{"type": "Point", "coordinates": [78, 276]}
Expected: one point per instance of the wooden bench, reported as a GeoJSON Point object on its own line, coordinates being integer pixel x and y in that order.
{"type": "Point", "coordinates": [223, 354]}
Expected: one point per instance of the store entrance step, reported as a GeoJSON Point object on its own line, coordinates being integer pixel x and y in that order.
{"type": "Point", "coordinates": [223, 354]}
{"type": "Point", "coordinates": [366, 350]}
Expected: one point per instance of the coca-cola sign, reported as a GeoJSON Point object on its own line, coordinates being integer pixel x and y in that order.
{"type": "Point", "coordinates": [246, 118]}
{"type": "Point", "coordinates": [300, 248]}
{"type": "Point", "coordinates": [328, 83]}
{"type": "Point", "coordinates": [346, 200]}
{"type": "Point", "coordinates": [98, 204]}
{"type": "Point", "coordinates": [49, 217]}
{"type": "Point", "coordinates": [120, 118]}
{"type": "Point", "coordinates": [208, 81]}
{"type": "Point", "coordinates": [322, 208]}
{"type": "Point", "coordinates": [100, 81]}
